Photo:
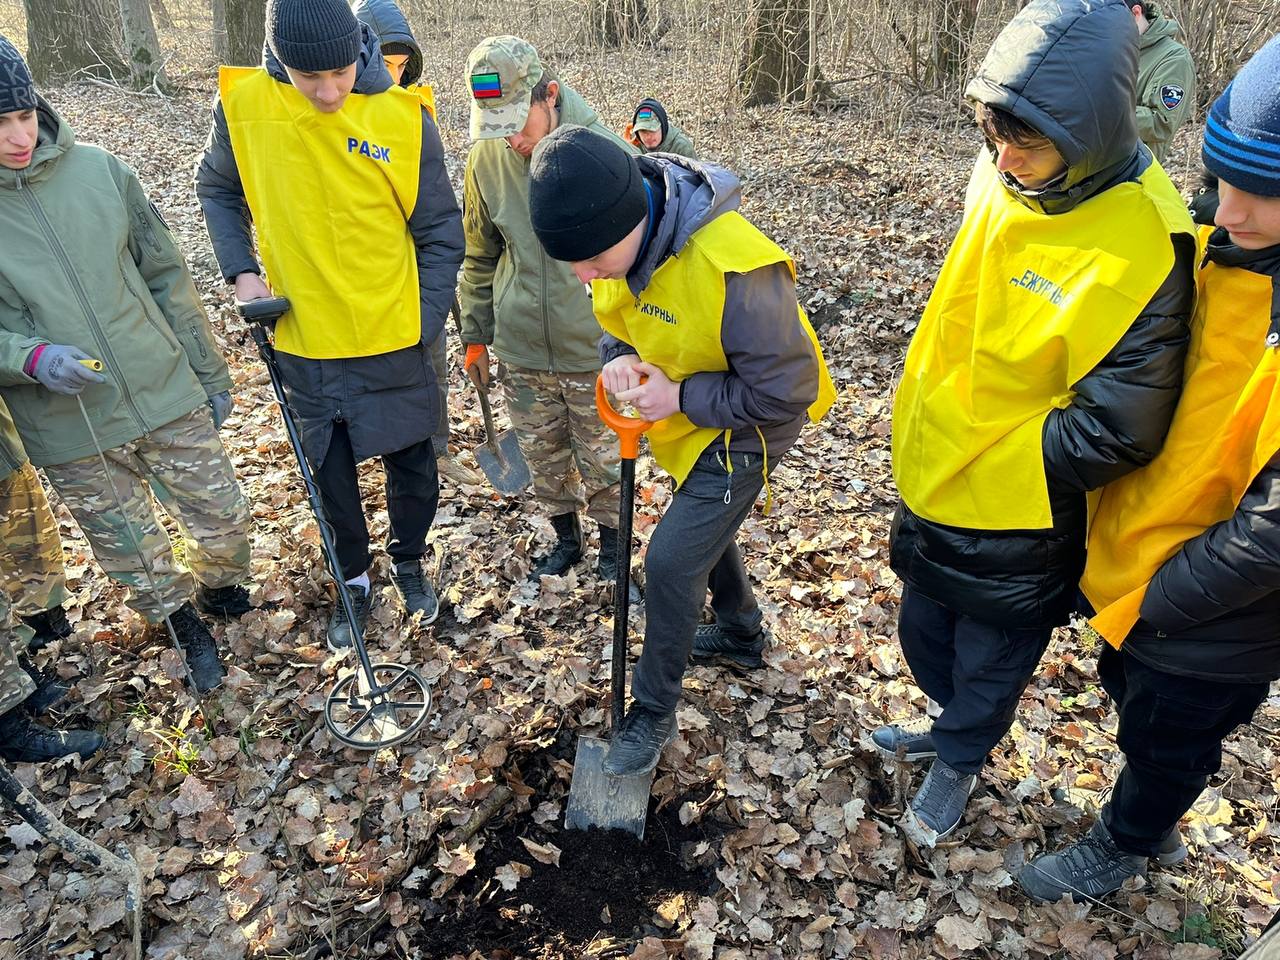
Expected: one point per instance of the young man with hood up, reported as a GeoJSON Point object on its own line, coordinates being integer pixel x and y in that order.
{"type": "Point", "coordinates": [1047, 364]}
{"type": "Point", "coordinates": [694, 298]}
{"type": "Point", "coordinates": [652, 131]}
{"type": "Point", "coordinates": [1184, 555]}
{"type": "Point", "coordinates": [342, 173]}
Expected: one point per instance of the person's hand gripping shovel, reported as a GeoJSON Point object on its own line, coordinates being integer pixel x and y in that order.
{"type": "Point", "coordinates": [597, 799]}
{"type": "Point", "coordinates": [379, 704]}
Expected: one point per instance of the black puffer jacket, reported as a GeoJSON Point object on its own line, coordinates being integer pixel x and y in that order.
{"type": "Point", "coordinates": [1213, 610]}
{"type": "Point", "coordinates": [1067, 68]}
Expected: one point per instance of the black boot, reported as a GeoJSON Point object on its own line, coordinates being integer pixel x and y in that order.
{"type": "Point", "coordinates": [22, 740]}
{"type": "Point", "coordinates": [49, 625]}
{"type": "Point", "coordinates": [607, 563]}
{"type": "Point", "coordinates": [567, 551]}
{"type": "Point", "coordinates": [198, 645]}
{"type": "Point", "coordinates": [224, 602]}
{"type": "Point", "coordinates": [49, 692]}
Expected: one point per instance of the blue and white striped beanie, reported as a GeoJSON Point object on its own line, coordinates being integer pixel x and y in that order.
{"type": "Point", "coordinates": [1242, 136]}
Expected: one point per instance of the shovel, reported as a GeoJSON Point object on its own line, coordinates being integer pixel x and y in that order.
{"type": "Point", "coordinates": [595, 798]}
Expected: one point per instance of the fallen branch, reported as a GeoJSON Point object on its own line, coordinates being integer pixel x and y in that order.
{"type": "Point", "coordinates": [123, 867]}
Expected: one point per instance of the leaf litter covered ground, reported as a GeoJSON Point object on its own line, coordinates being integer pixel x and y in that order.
{"type": "Point", "coordinates": [772, 833]}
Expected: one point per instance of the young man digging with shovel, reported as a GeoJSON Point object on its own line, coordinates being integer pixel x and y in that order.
{"type": "Point", "coordinates": [703, 334]}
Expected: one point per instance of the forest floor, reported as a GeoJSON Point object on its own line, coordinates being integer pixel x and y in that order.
{"type": "Point", "coordinates": [772, 832]}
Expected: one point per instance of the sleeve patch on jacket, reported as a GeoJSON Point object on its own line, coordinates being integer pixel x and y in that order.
{"type": "Point", "coordinates": [1171, 95]}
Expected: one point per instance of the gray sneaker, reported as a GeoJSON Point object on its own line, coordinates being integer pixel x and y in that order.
{"type": "Point", "coordinates": [1172, 850]}
{"type": "Point", "coordinates": [339, 634]}
{"type": "Point", "coordinates": [1089, 869]}
{"type": "Point", "coordinates": [909, 741]}
{"type": "Point", "coordinates": [416, 590]}
{"type": "Point", "coordinates": [939, 804]}
{"type": "Point", "coordinates": [638, 743]}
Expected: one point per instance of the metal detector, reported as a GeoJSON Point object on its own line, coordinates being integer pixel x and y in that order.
{"type": "Point", "coordinates": [379, 704]}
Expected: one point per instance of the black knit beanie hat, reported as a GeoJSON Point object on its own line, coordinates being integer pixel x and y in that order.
{"type": "Point", "coordinates": [17, 91]}
{"type": "Point", "coordinates": [585, 193]}
{"type": "Point", "coordinates": [313, 35]}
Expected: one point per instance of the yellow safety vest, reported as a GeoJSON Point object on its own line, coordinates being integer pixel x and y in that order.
{"type": "Point", "coordinates": [331, 195]}
{"type": "Point", "coordinates": [675, 325]}
{"type": "Point", "coordinates": [1225, 430]}
{"type": "Point", "coordinates": [1025, 306]}
{"type": "Point", "coordinates": [425, 93]}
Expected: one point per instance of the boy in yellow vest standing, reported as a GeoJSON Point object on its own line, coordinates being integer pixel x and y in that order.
{"type": "Point", "coordinates": [702, 306]}
{"type": "Point", "coordinates": [1047, 364]}
{"type": "Point", "coordinates": [1184, 555]}
{"type": "Point", "coordinates": [343, 175]}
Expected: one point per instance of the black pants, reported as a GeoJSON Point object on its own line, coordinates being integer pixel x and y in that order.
{"type": "Point", "coordinates": [975, 670]}
{"type": "Point", "coordinates": [413, 492]}
{"type": "Point", "coordinates": [1171, 731]}
{"type": "Point", "coordinates": [692, 550]}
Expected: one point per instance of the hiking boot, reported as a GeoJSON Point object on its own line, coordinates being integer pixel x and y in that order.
{"type": "Point", "coordinates": [225, 602]}
{"type": "Point", "coordinates": [49, 692]}
{"type": "Point", "coordinates": [1089, 869]}
{"type": "Point", "coordinates": [607, 564]}
{"type": "Point", "coordinates": [914, 739]}
{"type": "Point", "coordinates": [638, 743]}
{"type": "Point", "coordinates": [22, 740]}
{"type": "Point", "coordinates": [1171, 850]}
{"type": "Point", "coordinates": [566, 552]}
{"type": "Point", "coordinates": [199, 648]}
{"type": "Point", "coordinates": [714, 644]}
{"type": "Point", "coordinates": [49, 625]}
{"type": "Point", "coordinates": [416, 590]}
{"type": "Point", "coordinates": [339, 634]}
{"type": "Point", "coordinates": [940, 802]}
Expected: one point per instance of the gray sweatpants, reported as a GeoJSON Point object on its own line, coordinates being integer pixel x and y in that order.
{"type": "Point", "coordinates": [692, 550]}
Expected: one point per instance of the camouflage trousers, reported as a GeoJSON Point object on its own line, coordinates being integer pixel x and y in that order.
{"type": "Point", "coordinates": [554, 415]}
{"type": "Point", "coordinates": [184, 465]}
{"type": "Point", "coordinates": [15, 685]}
{"type": "Point", "coordinates": [31, 564]}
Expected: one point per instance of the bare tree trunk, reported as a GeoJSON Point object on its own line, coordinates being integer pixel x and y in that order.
{"type": "Point", "coordinates": [617, 22]}
{"type": "Point", "coordinates": [146, 66]}
{"type": "Point", "coordinates": [952, 33]}
{"type": "Point", "coordinates": [776, 64]}
{"type": "Point", "coordinates": [246, 22]}
{"type": "Point", "coordinates": [164, 20]}
{"type": "Point", "coordinates": [70, 38]}
{"type": "Point", "coordinates": [221, 52]}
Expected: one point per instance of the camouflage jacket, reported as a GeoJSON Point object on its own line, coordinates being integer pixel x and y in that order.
{"type": "Point", "coordinates": [532, 309]}
{"type": "Point", "coordinates": [89, 262]}
{"type": "Point", "coordinates": [1166, 85]}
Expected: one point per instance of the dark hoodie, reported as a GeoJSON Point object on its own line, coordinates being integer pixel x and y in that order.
{"type": "Point", "coordinates": [1067, 68]}
{"type": "Point", "coordinates": [674, 140]}
{"type": "Point", "coordinates": [773, 371]}
{"type": "Point", "coordinates": [388, 401]}
{"type": "Point", "coordinates": [386, 20]}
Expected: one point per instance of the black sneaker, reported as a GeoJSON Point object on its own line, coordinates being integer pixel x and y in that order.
{"type": "Point", "coordinates": [22, 740]}
{"type": "Point", "coordinates": [49, 692]}
{"type": "Point", "coordinates": [714, 644]}
{"type": "Point", "coordinates": [416, 590]}
{"type": "Point", "coordinates": [914, 739]}
{"type": "Point", "coordinates": [607, 564]}
{"type": "Point", "coordinates": [198, 645]}
{"type": "Point", "coordinates": [638, 743]}
{"type": "Point", "coordinates": [339, 634]}
{"type": "Point", "coordinates": [1089, 869]}
{"type": "Point", "coordinates": [225, 602]}
{"type": "Point", "coordinates": [939, 804]}
{"type": "Point", "coordinates": [49, 625]}
{"type": "Point", "coordinates": [566, 552]}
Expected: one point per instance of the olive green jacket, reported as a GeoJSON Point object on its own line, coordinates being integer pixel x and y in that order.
{"type": "Point", "coordinates": [12, 456]}
{"type": "Point", "coordinates": [1166, 85]}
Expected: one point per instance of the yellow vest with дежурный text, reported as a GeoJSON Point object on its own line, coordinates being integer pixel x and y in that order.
{"type": "Point", "coordinates": [1025, 306]}
{"type": "Point", "coordinates": [1225, 430]}
{"type": "Point", "coordinates": [675, 325]}
{"type": "Point", "coordinates": [331, 195]}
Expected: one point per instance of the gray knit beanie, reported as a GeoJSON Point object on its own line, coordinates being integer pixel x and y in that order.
{"type": "Point", "coordinates": [313, 35]}
{"type": "Point", "coordinates": [17, 92]}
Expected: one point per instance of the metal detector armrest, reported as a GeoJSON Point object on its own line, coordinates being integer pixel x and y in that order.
{"type": "Point", "coordinates": [264, 309]}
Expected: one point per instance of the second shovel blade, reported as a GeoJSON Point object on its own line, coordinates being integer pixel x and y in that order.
{"type": "Point", "coordinates": [509, 473]}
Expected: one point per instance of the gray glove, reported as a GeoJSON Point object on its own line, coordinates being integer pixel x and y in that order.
{"type": "Point", "coordinates": [59, 370]}
{"type": "Point", "coordinates": [221, 404]}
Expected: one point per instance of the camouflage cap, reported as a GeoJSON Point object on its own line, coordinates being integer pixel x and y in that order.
{"type": "Point", "coordinates": [647, 119]}
{"type": "Point", "coordinates": [501, 73]}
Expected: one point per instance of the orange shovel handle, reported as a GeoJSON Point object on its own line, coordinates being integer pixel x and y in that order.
{"type": "Point", "coordinates": [627, 428]}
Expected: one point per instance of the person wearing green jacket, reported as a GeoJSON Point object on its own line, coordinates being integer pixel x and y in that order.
{"type": "Point", "coordinates": [652, 131]}
{"type": "Point", "coordinates": [1166, 78]}
{"type": "Point", "coordinates": [106, 355]}
{"type": "Point", "coordinates": [531, 309]}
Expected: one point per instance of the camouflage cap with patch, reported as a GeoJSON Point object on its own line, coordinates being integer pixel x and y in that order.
{"type": "Point", "coordinates": [501, 75]}
{"type": "Point", "coordinates": [646, 119]}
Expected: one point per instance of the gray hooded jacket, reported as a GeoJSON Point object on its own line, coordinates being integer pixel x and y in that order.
{"type": "Point", "coordinates": [773, 371]}
{"type": "Point", "coordinates": [389, 401]}
{"type": "Point", "coordinates": [386, 20]}
{"type": "Point", "coordinates": [1068, 69]}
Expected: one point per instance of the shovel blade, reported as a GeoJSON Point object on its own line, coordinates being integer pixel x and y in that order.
{"type": "Point", "coordinates": [506, 469]}
{"type": "Point", "coordinates": [597, 800]}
